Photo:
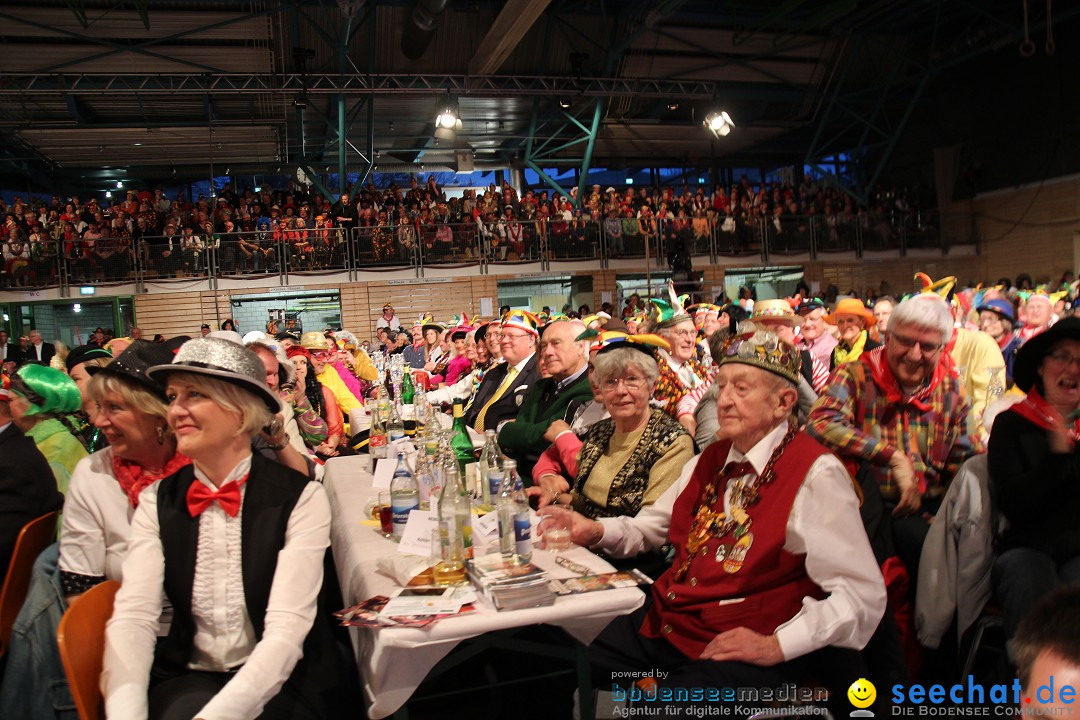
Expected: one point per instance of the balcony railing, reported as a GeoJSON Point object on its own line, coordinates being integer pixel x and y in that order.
{"type": "Point", "coordinates": [485, 246]}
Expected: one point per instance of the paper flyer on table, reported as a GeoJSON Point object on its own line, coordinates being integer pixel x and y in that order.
{"type": "Point", "coordinates": [416, 540]}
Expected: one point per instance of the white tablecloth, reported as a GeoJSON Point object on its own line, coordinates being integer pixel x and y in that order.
{"type": "Point", "coordinates": [394, 661]}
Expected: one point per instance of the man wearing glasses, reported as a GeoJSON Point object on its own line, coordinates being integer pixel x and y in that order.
{"type": "Point", "coordinates": [680, 372]}
{"type": "Point", "coordinates": [501, 392]}
{"type": "Point", "coordinates": [898, 416]}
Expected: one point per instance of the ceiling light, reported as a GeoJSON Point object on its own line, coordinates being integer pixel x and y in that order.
{"type": "Point", "coordinates": [564, 103]}
{"type": "Point", "coordinates": [449, 118]}
{"type": "Point", "coordinates": [137, 144]}
{"type": "Point", "coordinates": [719, 123]}
{"type": "Point", "coordinates": [119, 185]}
{"type": "Point", "coordinates": [673, 106]}
{"type": "Point", "coordinates": [108, 193]}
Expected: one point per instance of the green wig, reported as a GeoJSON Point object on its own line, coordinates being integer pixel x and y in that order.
{"type": "Point", "coordinates": [48, 391]}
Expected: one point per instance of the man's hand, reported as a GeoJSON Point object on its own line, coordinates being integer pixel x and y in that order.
{"type": "Point", "coordinates": [903, 472]}
{"type": "Point", "coordinates": [688, 422]}
{"type": "Point", "coordinates": [554, 429]}
{"type": "Point", "coordinates": [744, 645]}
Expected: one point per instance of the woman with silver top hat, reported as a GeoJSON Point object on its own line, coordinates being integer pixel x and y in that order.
{"type": "Point", "coordinates": [130, 411]}
{"type": "Point", "coordinates": [247, 638]}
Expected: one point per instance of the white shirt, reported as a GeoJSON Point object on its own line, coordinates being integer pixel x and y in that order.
{"type": "Point", "coordinates": [392, 324]}
{"type": "Point", "coordinates": [824, 524]}
{"type": "Point", "coordinates": [96, 523]}
{"type": "Point", "coordinates": [37, 350]}
{"type": "Point", "coordinates": [223, 636]}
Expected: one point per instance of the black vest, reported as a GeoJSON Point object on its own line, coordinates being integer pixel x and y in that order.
{"type": "Point", "coordinates": [272, 492]}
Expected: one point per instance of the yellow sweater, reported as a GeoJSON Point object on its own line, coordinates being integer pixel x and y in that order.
{"type": "Point", "coordinates": [332, 381]}
{"type": "Point", "coordinates": [976, 352]}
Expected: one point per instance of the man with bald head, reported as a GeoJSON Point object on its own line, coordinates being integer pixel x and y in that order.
{"type": "Point", "coordinates": [557, 397]}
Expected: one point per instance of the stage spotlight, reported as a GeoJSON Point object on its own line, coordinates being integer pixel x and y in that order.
{"type": "Point", "coordinates": [719, 123]}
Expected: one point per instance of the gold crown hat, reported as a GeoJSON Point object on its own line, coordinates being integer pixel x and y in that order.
{"type": "Point", "coordinates": [762, 349]}
{"type": "Point", "coordinates": [778, 309]}
{"type": "Point", "coordinates": [314, 340]}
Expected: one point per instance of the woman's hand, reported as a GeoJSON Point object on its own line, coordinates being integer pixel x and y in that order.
{"type": "Point", "coordinates": [324, 448]}
{"type": "Point", "coordinates": [274, 434]}
{"type": "Point", "coordinates": [555, 429]}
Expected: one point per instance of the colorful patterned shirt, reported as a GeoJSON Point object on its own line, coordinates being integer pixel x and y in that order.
{"type": "Point", "coordinates": [864, 416]}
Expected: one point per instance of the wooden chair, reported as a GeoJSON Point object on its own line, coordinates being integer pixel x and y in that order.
{"type": "Point", "coordinates": [81, 637]}
{"type": "Point", "coordinates": [35, 536]}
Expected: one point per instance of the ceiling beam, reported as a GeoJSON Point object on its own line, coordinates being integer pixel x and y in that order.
{"type": "Point", "coordinates": [514, 20]}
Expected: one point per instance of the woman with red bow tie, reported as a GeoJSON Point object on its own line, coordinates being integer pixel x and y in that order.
{"type": "Point", "coordinates": [237, 543]}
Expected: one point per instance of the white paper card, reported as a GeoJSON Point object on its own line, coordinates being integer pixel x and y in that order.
{"type": "Point", "coordinates": [605, 296]}
{"type": "Point", "coordinates": [384, 472]}
{"type": "Point", "coordinates": [416, 540]}
{"type": "Point", "coordinates": [486, 525]}
{"type": "Point", "coordinates": [487, 307]}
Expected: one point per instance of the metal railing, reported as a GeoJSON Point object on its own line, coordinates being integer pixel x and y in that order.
{"type": "Point", "coordinates": [417, 246]}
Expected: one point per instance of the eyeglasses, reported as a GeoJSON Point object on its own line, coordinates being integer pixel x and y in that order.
{"type": "Point", "coordinates": [511, 337]}
{"type": "Point", "coordinates": [906, 343]}
{"type": "Point", "coordinates": [632, 382]}
{"type": "Point", "coordinates": [684, 333]}
{"type": "Point", "coordinates": [1064, 357]}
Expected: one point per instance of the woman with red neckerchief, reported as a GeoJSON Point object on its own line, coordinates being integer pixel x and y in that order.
{"type": "Point", "coordinates": [1034, 463]}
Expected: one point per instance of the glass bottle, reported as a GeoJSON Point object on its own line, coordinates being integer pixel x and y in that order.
{"type": "Point", "coordinates": [490, 469]}
{"type": "Point", "coordinates": [522, 528]}
{"type": "Point", "coordinates": [408, 392]}
{"type": "Point", "coordinates": [454, 508]}
{"type": "Point", "coordinates": [995, 386]}
{"type": "Point", "coordinates": [461, 443]}
{"type": "Point", "coordinates": [425, 479]}
{"type": "Point", "coordinates": [376, 435]}
{"type": "Point", "coordinates": [395, 428]}
{"type": "Point", "coordinates": [404, 495]}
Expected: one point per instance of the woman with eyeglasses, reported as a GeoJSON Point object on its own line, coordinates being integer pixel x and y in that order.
{"type": "Point", "coordinates": [1034, 462]}
{"type": "Point", "coordinates": [624, 462]}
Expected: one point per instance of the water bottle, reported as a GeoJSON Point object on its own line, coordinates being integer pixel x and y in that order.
{"type": "Point", "coordinates": [454, 530]}
{"type": "Point", "coordinates": [404, 496]}
{"type": "Point", "coordinates": [522, 530]}
{"type": "Point", "coordinates": [505, 508]}
{"type": "Point", "coordinates": [395, 427]}
{"type": "Point", "coordinates": [491, 474]}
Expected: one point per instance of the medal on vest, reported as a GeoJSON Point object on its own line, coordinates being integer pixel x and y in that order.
{"type": "Point", "coordinates": [735, 559]}
{"type": "Point", "coordinates": [722, 552]}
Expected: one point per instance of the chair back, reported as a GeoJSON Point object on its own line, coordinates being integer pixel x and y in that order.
{"type": "Point", "coordinates": [35, 536]}
{"type": "Point", "coordinates": [81, 637]}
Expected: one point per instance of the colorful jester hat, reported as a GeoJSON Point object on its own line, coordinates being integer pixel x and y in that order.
{"type": "Point", "coordinates": [604, 340]}
{"type": "Point", "coordinates": [522, 320]}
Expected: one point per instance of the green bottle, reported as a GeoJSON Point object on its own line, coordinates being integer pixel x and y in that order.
{"type": "Point", "coordinates": [408, 392]}
{"type": "Point", "coordinates": [462, 445]}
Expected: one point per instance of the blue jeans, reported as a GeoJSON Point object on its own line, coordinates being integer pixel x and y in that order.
{"type": "Point", "coordinates": [35, 685]}
{"type": "Point", "coordinates": [1024, 576]}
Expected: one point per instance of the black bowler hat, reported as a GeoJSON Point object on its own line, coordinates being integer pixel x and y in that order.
{"type": "Point", "coordinates": [141, 355]}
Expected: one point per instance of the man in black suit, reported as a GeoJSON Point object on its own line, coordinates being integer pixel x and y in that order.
{"type": "Point", "coordinates": [9, 350]}
{"type": "Point", "coordinates": [39, 351]}
{"type": "Point", "coordinates": [27, 485]}
{"type": "Point", "coordinates": [504, 386]}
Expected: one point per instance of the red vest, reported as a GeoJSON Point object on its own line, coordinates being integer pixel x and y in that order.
{"type": "Point", "coordinates": [771, 583]}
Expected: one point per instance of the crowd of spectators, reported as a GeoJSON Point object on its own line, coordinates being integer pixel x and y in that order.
{"type": "Point", "coordinates": [246, 231]}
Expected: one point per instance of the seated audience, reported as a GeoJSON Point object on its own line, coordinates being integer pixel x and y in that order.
{"type": "Point", "coordinates": [557, 396]}
{"type": "Point", "coordinates": [853, 321]}
{"type": "Point", "coordinates": [772, 565]}
{"type": "Point", "coordinates": [41, 400]}
{"type": "Point", "coordinates": [1034, 464]}
{"type": "Point", "coordinates": [246, 639]}
{"type": "Point", "coordinates": [898, 416]}
{"type": "Point", "coordinates": [503, 388]}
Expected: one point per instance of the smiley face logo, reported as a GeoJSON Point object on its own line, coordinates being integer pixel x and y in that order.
{"type": "Point", "coordinates": [862, 693]}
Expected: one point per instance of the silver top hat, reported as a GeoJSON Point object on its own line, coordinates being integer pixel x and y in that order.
{"type": "Point", "coordinates": [222, 359]}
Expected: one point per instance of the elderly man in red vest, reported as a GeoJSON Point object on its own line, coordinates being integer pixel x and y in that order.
{"type": "Point", "coordinates": [772, 564]}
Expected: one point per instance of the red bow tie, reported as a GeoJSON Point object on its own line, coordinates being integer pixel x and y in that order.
{"type": "Point", "coordinates": [200, 497]}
